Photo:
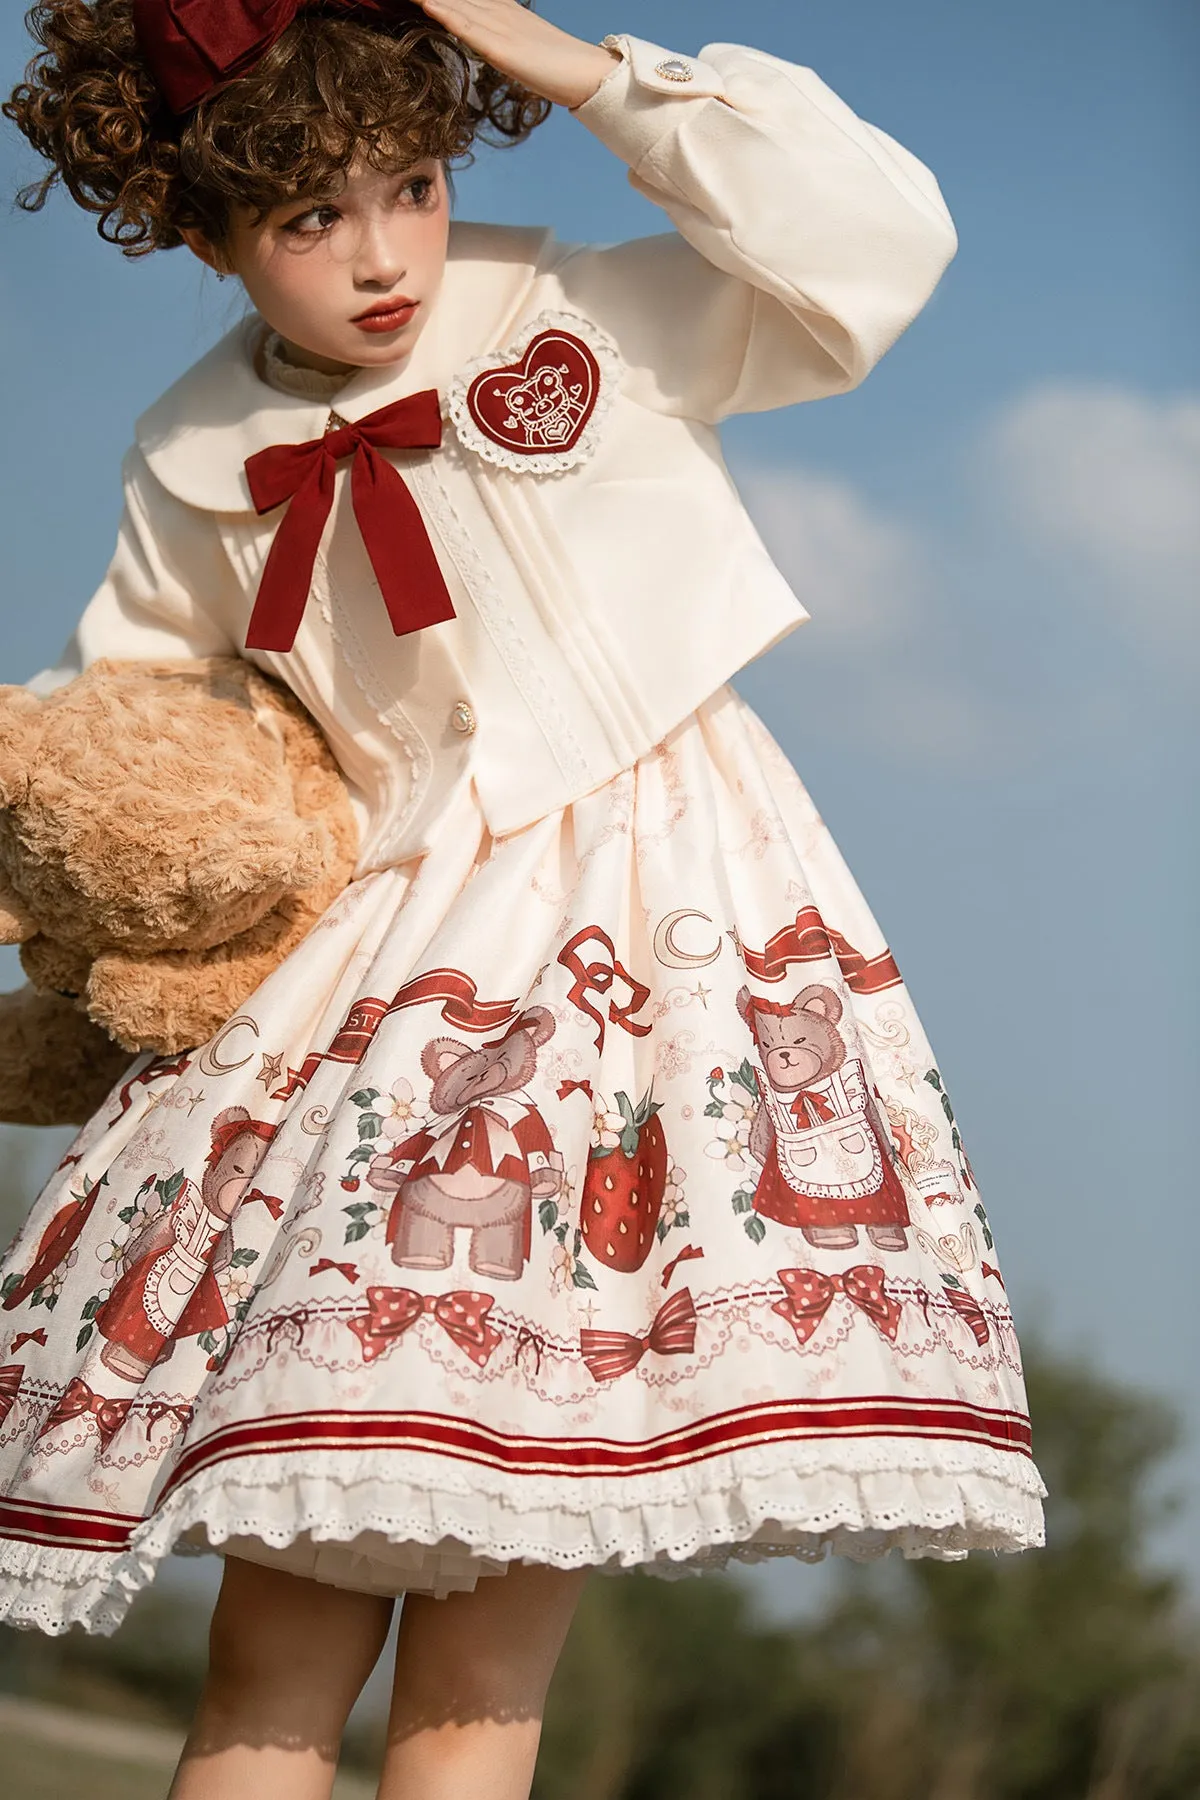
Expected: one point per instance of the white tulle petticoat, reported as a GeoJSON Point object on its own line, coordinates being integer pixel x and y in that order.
{"type": "Point", "coordinates": [586, 1197]}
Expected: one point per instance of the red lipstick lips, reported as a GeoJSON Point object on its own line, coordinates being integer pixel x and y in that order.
{"type": "Point", "coordinates": [387, 315]}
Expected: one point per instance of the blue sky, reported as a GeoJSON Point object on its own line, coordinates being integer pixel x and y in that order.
{"type": "Point", "coordinates": [997, 535]}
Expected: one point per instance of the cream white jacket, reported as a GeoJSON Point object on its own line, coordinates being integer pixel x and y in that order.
{"type": "Point", "coordinates": [598, 604]}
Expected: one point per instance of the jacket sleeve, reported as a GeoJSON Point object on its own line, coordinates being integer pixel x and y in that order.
{"type": "Point", "coordinates": [806, 241]}
{"type": "Point", "coordinates": [167, 587]}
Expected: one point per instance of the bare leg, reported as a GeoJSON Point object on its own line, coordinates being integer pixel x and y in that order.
{"type": "Point", "coordinates": [288, 1659]}
{"type": "Point", "coordinates": [471, 1678]}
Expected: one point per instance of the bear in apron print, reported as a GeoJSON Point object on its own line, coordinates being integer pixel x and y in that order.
{"type": "Point", "coordinates": [826, 1165]}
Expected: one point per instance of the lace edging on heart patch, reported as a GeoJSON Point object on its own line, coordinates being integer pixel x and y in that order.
{"type": "Point", "coordinates": [537, 407]}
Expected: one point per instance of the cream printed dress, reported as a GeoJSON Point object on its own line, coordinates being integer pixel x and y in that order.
{"type": "Point", "coordinates": [586, 1193]}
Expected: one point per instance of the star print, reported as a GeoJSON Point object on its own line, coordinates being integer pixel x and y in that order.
{"type": "Point", "coordinates": [701, 993]}
{"type": "Point", "coordinates": [538, 978]}
{"type": "Point", "coordinates": [194, 1102]}
{"type": "Point", "coordinates": [587, 1313]}
{"type": "Point", "coordinates": [272, 1069]}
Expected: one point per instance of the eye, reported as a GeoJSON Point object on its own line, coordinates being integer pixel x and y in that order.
{"type": "Point", "coordinates": [419, 191]}
{"type": "Point", "coordinates": [312, 223]}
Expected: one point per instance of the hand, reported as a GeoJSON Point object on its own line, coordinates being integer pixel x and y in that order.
{"type": "Point", "coordinates": [547, 61]}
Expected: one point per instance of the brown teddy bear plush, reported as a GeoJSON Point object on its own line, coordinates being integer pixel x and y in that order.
{"type": "Point", "coordinates": [169, 832]}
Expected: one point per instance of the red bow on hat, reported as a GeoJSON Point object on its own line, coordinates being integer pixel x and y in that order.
{"type": "Point", "coordinates": [809, 1295]}
{"type": "Point", "coordinates": [673, 1333]}
{"type": "Point", "coordinates": [192, 46]}
{"type": "Point", "coordinates": [78, 1400]}
{"type": "Point", "coordinates": [413, 586]}
{"type": "Point", "coordinates": [391, 1311]}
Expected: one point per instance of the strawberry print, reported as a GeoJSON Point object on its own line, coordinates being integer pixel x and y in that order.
{"type": "Point", "coordinates": [625, 1184]}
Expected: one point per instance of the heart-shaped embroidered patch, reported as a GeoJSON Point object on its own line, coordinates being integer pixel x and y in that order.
{"type": "Point", "coordinates": [540, 405]}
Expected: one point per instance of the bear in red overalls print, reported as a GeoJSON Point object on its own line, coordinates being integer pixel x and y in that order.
{"type": "Point", "coordinates": [826, 1165]}
{"type": "Point", "coordinates": [480, 1162]}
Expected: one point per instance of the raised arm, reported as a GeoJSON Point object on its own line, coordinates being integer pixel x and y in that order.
{"type": "Point", "coordinates": [805, 242]}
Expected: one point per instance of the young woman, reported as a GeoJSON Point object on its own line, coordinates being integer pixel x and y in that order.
{"type": "Point", "coordinates": [608, 1207]}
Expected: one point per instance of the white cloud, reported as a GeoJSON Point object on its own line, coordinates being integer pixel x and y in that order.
{"type": "Point", "coordinates": [860, 573]}
{"type": "Point", "coordinates": [1109, 480]}
{"type": "Point", "coordinates": [1007, 613]}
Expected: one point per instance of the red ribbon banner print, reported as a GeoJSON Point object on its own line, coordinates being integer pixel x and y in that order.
{"type": "Point", "coordinates": [809, 1294]}
{"type": "Point", "coordinates": [461, 1007]}
{"type": "Point", "coordinates": [410, 578]}
{"type": "Point", "coordinates": [393, 1311]}
{"type": "Point", "coordinates": [609, 1354]}
{"type": "Point", "coordinates": [11, 1378]}
{"type": "Point", "coordinates": [809, 939]}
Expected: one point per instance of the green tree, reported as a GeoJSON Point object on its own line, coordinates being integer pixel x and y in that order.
{"type": "Point", "coordinates": [1065, 1674]}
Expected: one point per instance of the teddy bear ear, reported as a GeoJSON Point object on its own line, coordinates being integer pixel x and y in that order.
{"type": "Point", "coordinates": [17, 709]}
{"type": "Point", "coordinates": [257, 856]}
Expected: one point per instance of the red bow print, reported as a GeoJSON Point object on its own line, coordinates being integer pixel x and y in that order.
{"type": "Point", "coordinates": [273, 1206]}
{"type": "Point", "coordinates": [689, 1253]}
{"type": "Point", "coordinates": [673, 1333]}
{"type": "Point", "coordinates": [410, 579]}
{"type": "Point", "coordinates": [192, 46]}
{"type": "Point", "coordinates": [809, 1295]}
{"type": "Point", "coordinates": [28, 1337]}
{"type": "Point", "coordinates": [164, 1409]}
{"type": "Point", "coordinates": [567, 1088]}
{"type": "Point", "coordinates": [11, 1378]}
{"type": "Point", "coordinates": [79, 1400]}
{"type": "Point", "coordinates": [462, 1315]}
{"type": "Point", "coordinates": [325, 1267]}
{"type": "Point", "coordinates": [809, 1105]}
{"type": "Point", "coordinates": [969, 1309]}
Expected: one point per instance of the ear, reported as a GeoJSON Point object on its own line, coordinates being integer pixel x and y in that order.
{"type": "Point", "coordinates": [540, 1024]}
{"type": "Point", "coordinates": [208, 253]}
{"type": "Point", "coordinates": [18, 738]}
{"type": "Point", "coordinates": [441, 1054]}
{"type": "Point", "coordinates": [820, 1000]}
{"type": "Point", "coordinates": [745, 1005]}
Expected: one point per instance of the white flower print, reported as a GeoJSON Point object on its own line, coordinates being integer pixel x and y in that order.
{"type": "Point", "coordinates": [732, 1142]}
{"type": "Point", "coordinates": [673, 1201]}
{"type": "Point", "coordinates": [400, 1112]}
{"type": "Point", "coordinates": [607, 1124]}
{"type": "Point", "coordinates": [562, 1268]}
{"type": "Point", "coordinates": [236, 1287]}
{"type": "Point", "coordinates": [112, 1255]}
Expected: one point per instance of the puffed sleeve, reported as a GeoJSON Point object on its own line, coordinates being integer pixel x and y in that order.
{"type": "Point", "coordinates": [806, 241]}
{"type": "Point", "coordinates": [166, 590]}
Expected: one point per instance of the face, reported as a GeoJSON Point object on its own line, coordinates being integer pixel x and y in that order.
{"type": "Point", "coordinates": [347, 280]}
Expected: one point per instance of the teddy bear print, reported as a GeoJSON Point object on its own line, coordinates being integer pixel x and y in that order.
{"type": "Point", "coordinates": [480, 1162]}
{"type": "Point", "coordinates": [168, 1287]}
{"type": "Point", "coordinates": [826, 1166]}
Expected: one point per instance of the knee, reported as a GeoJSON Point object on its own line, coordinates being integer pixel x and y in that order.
{"type": "Point", "coordinates": [281, 1636]}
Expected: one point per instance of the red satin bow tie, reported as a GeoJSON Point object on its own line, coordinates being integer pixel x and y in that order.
{"type": "Point", "coordinates": [413, 586]}
{"type": "Point", "coordinates": [192, 46]}
{"type": "Point", "coordinates": [609, 1354]}
{"type": "Point", "coordinates": [809, 1294]}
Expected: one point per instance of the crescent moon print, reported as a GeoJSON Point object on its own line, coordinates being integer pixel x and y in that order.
{"type": "Point", "coordinates": [667, 950]}
{"type": "Point", "coordinates": [210, 1056]}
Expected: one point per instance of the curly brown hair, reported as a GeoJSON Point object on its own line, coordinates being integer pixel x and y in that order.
{"type": "Point", "coordinates": [333, 90]}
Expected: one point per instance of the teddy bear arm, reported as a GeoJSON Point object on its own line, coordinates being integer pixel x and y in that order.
{"type": "Point", "coordinates": [762, 1135]}
{"type": "Point", "coordinates": [171, 1002]}
{"type": "Point", "coordinates": [56, 1067]}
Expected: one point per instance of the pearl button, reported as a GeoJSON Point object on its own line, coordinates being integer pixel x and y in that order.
{"type": "Point", "coordinates": [674, 69]}
{"type": "Point", "coordinates": [463, 719]}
